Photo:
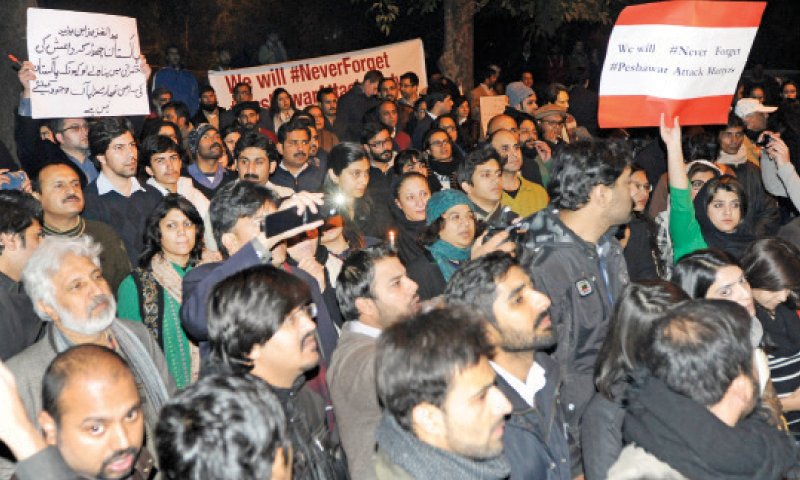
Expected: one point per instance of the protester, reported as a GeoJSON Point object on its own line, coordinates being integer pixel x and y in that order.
{"type": "Point", "coordinates": [624, 351]}
{"type": "Point", "coordinates": [411, 195]}
{"type": "Point", "coordinates": [153, 293]}
{"type": "Point", "coordinates": [346, 184]}
{"type": "Point", "coordinates": [772, 268]}
{"type": "Point", "coordinates": [443, 415]}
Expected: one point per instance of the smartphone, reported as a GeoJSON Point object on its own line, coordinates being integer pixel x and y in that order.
{"type": "Point", "coordinates": [16, 179]}
{"type": "Point", "coordinates": [285, 220]}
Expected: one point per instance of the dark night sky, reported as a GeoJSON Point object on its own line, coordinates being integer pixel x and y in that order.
{"type": "Point", "coordinates": [341, 26]}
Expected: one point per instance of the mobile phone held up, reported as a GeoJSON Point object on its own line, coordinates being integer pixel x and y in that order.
{"type": "Point", "coordinates": [285, 220]}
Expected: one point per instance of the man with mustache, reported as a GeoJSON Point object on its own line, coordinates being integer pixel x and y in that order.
{"type": "Point", "coordinates": [116, 197]}
{"type": "Point", "coordinates": [517, 318]}
{"type": "Point", "coordinates": [65, 447]}
{"type": "Point", "coordinates": [443, 415]}
{"type": "Point", "coordinates": [295, 171]}
{"type": "Point", "coordinates": [58, 188]}
{"type": "Point", "coordinates": [66, 287]}
{"type": "Point", "coordinates": [208, 175]}
{"type": "Point", "coordinates": [261, 322]}
{"type": "Point", "coordinates": [374, 292]}
{"type": "Point", "coordinates": [99, 435]}
{"type": "Point", "coordinates": [256, 159]}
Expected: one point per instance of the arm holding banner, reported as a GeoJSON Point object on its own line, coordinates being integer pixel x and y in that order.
{"type": "Point", "coordinates": [683, 226]}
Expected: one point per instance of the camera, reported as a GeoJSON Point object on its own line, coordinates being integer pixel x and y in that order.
{"type": "Point", "coordinates": [765, 139]}
{"type": "Point", "coordinates": [503, 223]}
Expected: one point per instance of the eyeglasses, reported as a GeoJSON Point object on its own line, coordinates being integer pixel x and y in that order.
{"type": "Point", "coordinates": [440, 143]}
{"type": "Point", "coordinates": [642, 187]}
{"type": "Point", "coordinates": [380, 143]}
{"type": "Point", "coordinates": [76, 128]}
{"type": "Point", "coordinates": [697, 184]}
{"type": "Point", "coordinates": [460, 217]}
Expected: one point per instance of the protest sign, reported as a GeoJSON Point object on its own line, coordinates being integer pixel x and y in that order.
{"type": "Point", "coordinates": [682, 58]}
{"type": "Point", "coordinates": [86, 64]}
{"type": "Point", "coordinates": [303, 78]}
{"type": "Point", "coordinates": [490, 107]}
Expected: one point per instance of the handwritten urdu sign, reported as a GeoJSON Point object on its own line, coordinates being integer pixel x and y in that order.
{"type": "Point", "coordinates": [87, 65]}
{"type": "Point", "coordinates": [303, 78]}
{"type": "Point", "coordinates": [681, 58]}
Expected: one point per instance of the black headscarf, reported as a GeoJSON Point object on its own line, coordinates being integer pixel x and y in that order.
{"type": "Point", "coordinates": [733, 243]}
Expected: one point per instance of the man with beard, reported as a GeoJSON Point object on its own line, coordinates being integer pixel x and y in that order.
{"type": "Point", "coordinates": [521, 196]}
{"type": "Point", "coordinates": [571, 254]}
{"type": "Point", "coordinates": [249, 116]}
{"type": "Point", "coordinates": [377, 141]}
{"type": "Point", "coordinates": [689, 415]}
{"type": "Point", "coordinates": [242, 93]}
{"type": "Point", "coordinates": [116, 197]}
{"type": "Point", "coordinates": [209, 111]}
{"type": "Point", "coordinates": [443, 415]}
{"type": "Point", "coordinates": [66, 287]}
{"type": "Point", "coordinates": [550, 121]}
{"type": "Point", "coordinates": [533, 149]}
{"type": "Point", "coordinates": [374, 292]}
{"type": "Point", "coordinates": [518, 322]}
{"type": "Point", "coordinates": [329, 103]}
{"type": "Point", "coordinates": [58, 188]}
{"type": "Point", "coordinates": [207, 174]}
{"type": "Point", "coordinates": [295, 171]}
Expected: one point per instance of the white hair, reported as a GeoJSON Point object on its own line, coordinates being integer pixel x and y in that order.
{"type": "Point", "coordinates": [47, 260]}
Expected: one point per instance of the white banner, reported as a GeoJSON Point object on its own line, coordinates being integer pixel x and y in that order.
{"type": "Point", "coordinates": [87, 65]}
{"type": "Point", "coordinates": [304, 78]}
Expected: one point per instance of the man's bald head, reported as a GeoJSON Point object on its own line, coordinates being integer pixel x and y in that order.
{"type": "Point", "coordinates": [79, 363]}
{"type": "Point", "coordinates": [501, 122]}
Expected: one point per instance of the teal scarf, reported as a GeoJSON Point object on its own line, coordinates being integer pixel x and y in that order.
{"type": "Point", "coordinates": [445, 254]}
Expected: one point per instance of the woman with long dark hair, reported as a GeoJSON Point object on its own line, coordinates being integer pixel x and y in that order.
{"type": "Point", "coordinates": [772, 266]}
{"type": "Point", "coordinates": [640, 236]}
{"type": "Point", "coordinates": [346, 184]}
{"type": "Point", "coordinates": [153, 292]}
{"type": "Point", "coordinates": [623, 351]}
{"type": "Point", "coordinates": [281, 108]}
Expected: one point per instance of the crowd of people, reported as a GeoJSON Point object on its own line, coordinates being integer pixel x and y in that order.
{"type": "Point", "coordinates": [378, 287]}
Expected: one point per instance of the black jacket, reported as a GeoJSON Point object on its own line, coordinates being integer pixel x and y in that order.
{"type": "Point", "coordinates": [534, 439]}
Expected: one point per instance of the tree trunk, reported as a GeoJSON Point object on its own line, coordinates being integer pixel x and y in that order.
{"type": "Point", "coordinates": [459, 38]}
{"type": "Point", "coordinates": [13, 38]}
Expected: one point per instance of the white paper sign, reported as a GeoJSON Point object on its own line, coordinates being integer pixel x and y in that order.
{"type": "Point", "coordinates": [87, 65]}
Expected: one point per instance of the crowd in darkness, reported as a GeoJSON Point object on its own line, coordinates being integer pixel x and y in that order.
{"type": "Point", "coordinates": [378, 286]}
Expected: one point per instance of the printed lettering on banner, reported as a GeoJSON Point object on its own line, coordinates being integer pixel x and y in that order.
{"type": "Point", "coordinates": [681, 58]}
{"type": "Point", "coordinates": [304, 78]}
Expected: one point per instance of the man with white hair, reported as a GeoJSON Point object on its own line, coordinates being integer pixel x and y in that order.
{"type": "Point", "coordinates": [67, 289]}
